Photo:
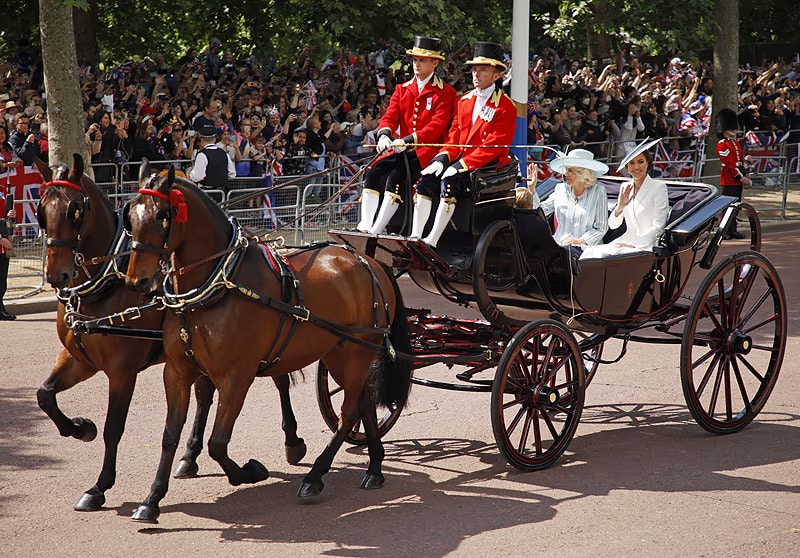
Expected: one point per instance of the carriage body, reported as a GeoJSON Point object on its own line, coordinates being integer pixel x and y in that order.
{"type": "Point", "coordinates": [499, 260]}
{"type": "Point", "coordinates": [547, 314]}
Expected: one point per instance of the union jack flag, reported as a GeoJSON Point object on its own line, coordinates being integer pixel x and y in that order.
{"type": "Point", "coordinates": [532, 75]}
{"type": "Point", "coordinates": [348, 200]}
{"type": "Point", "coordinates": [311, 95]}
{"type": "Point", "coordinates": [23, 184]}
{"type": "Point", "coordinates": [764, 148]}
{"type": "Point", "coordinates": [669, 163]}
{"type": "Point", "coordinates": [323, 83]}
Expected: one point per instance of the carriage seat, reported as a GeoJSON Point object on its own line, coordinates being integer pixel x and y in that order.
{"type": "Point", "coordinates": [491, 198]}
{"type": "Point", "coordinates": [684, 200]}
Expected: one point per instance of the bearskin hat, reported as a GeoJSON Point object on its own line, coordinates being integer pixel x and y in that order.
{"type": "Point", "coordinates": [726, 120]}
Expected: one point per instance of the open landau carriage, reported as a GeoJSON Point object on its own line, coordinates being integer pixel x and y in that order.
{"type": "Point", "coordinates": [547, 315]}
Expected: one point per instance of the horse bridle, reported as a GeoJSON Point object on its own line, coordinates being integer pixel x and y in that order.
{"type": "Point", "coordinates": [165, 216]}
{"type": "Point", "coordinates": [75, 214]}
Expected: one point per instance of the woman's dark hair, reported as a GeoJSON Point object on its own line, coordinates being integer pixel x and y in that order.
{"type": "Point", "coordinates": [98, 116]}
{"type": "Point", "coordinates": [5, 145]}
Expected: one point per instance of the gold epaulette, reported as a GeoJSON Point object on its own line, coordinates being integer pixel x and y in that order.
{"type": "Point", "coordinates": [436, 81]}
{"type": "Point", "coordinates": [409, 82]}
{"type": "Point", "coordinates": [496, 96]}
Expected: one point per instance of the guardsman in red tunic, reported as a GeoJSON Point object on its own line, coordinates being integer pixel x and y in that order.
{"type": "Point", "coordinates": [419, 111]}
{"type": "Point", "coordinates": [733, 174]}
{"type": "Point", "coordinates": [484, 117]}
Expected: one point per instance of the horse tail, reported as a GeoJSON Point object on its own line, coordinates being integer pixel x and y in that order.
{"type": "Point", "coordinates": [391, 375]}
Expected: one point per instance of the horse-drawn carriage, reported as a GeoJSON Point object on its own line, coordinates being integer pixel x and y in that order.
{"type": "Point", "coordinates": [547, 315]}
{"type": "Point", "coordinates": [338, 305]}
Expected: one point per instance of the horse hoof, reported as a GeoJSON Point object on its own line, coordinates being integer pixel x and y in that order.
{"type": "Point", "coordinates": [296, 452]}
{"type": "Point", "coordinates": [186, 470]}
{"type": "Point", "coordinates": [372, 481]}
{"type": "Point", "coordinates": [310, 492]}
{"type": "Point", "coordinates": [254, 472]}
{"type": "Point", "coordinates": [90, 502]}
{"type": "Point", "coordinates": [146, 514]}
{"type": "Point", "coordinates": [86, 429]}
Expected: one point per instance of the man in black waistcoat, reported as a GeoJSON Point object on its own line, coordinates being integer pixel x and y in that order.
{"type": "Point", "coordinates": [212, 166]}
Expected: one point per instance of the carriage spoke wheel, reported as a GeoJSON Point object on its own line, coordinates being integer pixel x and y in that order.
{"type": "Point", "coordinates": [330, 397]}
{"type": "Point", "coordinates": [733, 342]}
{"type": "Point", "coordinates": [537, 395]}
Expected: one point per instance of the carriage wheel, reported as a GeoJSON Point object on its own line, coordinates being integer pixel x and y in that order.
{"type": "Point", "coordinates": [733, 342]}
{"type": "Point", "coordinates": [537, 395]}
{"type": "Point", "coordinates": [493, 268]}
{"type": "Point", "coordinates": [329, 399]}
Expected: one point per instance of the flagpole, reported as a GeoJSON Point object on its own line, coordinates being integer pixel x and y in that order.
{"type": "Point", "coordinates": [520, 22]}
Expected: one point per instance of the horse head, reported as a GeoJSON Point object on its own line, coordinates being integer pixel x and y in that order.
{"type": "Point", "coordinates": [62, 214]}
{"type": "Point", "coordinates": [153, 219]}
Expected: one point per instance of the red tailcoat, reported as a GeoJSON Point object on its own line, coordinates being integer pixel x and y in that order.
{"type": "Point", "coordinates": [494, 126]}
{"type": "Point", "coordinates": [423, 116]}
{"type": "Point", "coordinates": [731, 155]}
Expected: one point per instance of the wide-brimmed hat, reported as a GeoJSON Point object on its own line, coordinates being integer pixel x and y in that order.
{"type": "Point", "coordinates": [696, 107]}
{"type": "Point", "coordinates": [488, 53]}
{"type": "Point", "coordinates": [13, 104]}
{"type": "Point", "coordinates": [578, 158]}
{"type": "Point", "coordinates": [637, 150]}
{"type": "Point", "coordinates": [428, 47]}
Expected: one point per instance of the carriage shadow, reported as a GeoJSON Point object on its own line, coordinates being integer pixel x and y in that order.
{"type": "Point", "coordinates": [651, 448]}
{"type": "Point", "coordinates": [21, 419]}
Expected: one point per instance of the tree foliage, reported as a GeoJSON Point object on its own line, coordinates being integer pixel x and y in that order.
{"type": "Point", "coordinates": [276, 28]}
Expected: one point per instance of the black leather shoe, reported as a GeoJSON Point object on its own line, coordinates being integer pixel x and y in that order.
{"type": "Point", "coordinates": [5, 316]}
{"type": "Point", "coordinates": [737, 235]}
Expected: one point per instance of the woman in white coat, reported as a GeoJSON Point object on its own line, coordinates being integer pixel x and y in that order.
{"type": "Point", "coordinates": [643, 205]}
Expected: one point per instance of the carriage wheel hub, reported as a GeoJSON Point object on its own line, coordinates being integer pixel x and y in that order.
{"type": "Point", "coordinates": [545, 396]}
{"type": "Point", "coordinates": [740, 343]}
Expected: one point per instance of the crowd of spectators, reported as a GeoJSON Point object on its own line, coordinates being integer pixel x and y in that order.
{"type": "Point", "coordinates": [295, 118]}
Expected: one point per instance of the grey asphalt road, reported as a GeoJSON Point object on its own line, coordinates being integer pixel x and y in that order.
{"type": "Point", "coordinates": [640, 478]}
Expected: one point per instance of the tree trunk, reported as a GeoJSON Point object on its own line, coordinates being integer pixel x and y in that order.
{"type": "Point", "coordinates": [726, 64]}
{"type": "Point", "coordinates": [598, 44]}
{"type": "Point", "coordinates": [85, 35]}
{"type": "Point", "coordinates": [64, 108]}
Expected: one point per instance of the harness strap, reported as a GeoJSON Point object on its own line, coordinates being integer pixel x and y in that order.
{"type": "Point", "coordinates": [187, 342]}
{"type": "Point", "coordinates": [76, 336]}
{"type": "Point", "coordinates": [289, 286]}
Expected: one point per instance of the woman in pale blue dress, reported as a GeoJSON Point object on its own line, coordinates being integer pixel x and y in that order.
{"type": "Point", "coordinates": [579, 204]}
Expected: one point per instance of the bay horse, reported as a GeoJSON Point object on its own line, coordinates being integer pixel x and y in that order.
{"type": "Point", "coordinates": [81, 227]}
{"type": "Point", "coordinates": [239, 309]}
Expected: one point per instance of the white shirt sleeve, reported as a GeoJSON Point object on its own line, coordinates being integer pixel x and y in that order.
{"type": "Point", "coordinates": [231, 168]}
{"type": "Point", "coordinates": [198, 171]}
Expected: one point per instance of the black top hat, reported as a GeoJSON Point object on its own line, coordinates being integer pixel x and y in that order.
{"type": "Point", "coordinates": [726, 120]}
{"type": "Point", "coordinates": [488, 53]}
{"type": "Point", "coordinates": [428, 47]}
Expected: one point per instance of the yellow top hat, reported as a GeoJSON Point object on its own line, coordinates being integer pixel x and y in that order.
{"type": "Point", "coordinates": [488, 53]}
{"type": "Point", "coordinates": [428, 47]}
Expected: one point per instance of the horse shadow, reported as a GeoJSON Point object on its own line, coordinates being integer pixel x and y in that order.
{"type": "Point", "coordinates": [657, 449]}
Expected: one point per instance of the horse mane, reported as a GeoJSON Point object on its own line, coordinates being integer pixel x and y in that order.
{"type": "Point", "coordinates": [212, 207]}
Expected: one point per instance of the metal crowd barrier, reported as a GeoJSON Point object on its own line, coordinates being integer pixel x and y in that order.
{"type": "Point", "coordinates": [291, 212]}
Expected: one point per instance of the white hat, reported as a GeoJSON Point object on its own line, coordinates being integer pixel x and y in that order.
{"type": "Point", "coordinates": [635, 151]}
{"type": "Point", "coordinates": [676, 61]}
{"type": "Point", "coordinates": [579, 158]}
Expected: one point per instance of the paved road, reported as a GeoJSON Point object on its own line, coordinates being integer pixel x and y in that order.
{"type": "Point", "coordinates": [640, 477]}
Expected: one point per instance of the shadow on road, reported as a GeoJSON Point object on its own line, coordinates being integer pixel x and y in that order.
{"type": "Point", "coordinates": [650, 447]}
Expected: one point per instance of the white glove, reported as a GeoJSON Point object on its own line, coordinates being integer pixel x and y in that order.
{"type": "Point", "coordinates": [384, 143]}
{"type": "Point", "coordinates": [449, 172]}
{"type": "Point", "coordinates": [434, 168]}
{"type": "Point", "coordinates": [398, 145]}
